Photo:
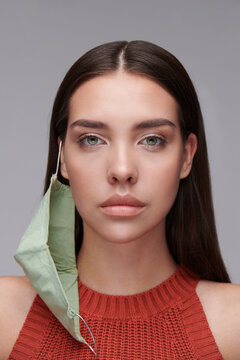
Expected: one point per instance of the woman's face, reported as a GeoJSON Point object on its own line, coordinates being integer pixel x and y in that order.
{"type": "Point", "coordinates": [123, 138]}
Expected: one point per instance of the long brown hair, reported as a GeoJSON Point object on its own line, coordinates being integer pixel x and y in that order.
{"type": "Point", "coordinates": [190, 225]}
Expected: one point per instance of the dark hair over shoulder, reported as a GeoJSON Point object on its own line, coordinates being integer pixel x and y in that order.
{"type": "Point", "coordinates": [190, 225]}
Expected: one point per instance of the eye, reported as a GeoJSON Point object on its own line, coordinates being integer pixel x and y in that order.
{"type": "Point", "coordinates": [155, 141]}
{"type": "Point", "coordinates": [91, 140]}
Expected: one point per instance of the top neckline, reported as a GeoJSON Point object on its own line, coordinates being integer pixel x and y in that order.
{"type": "Point", "coordinates": [144, 304]}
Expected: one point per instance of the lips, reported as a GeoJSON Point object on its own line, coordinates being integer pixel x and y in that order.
{"type": "Point", "coordinates": [127, 200]}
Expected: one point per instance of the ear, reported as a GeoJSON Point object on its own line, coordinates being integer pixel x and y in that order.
{"type": "Point", "coordinates": [190, 148]}
{"type": "Point", "coordinates": [63, 167]}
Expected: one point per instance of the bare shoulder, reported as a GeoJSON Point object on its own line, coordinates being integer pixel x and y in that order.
{"type": "Point", "coordinates": [221, 304]}
{"type": "Point", "coordinates": [17, 295]}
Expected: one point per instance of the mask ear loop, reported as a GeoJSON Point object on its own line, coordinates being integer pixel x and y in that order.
{"type": "Point", "coordinates": [55, 175]}
{"type": "Point", "coordinates": [58, 159]}
{"type": "Point", "coordinates": [95, 352]}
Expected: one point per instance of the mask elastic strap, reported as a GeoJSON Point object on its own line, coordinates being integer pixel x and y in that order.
{"type": "Point", "coordinates": [58, 158]}
{"type": "Point", "coordinates": [95, 352]}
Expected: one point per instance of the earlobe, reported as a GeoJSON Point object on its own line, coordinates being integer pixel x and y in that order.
{"type": "Point", "coordinates": [190, 149]}
{"type": "Point", "coordinates": [63, 168]}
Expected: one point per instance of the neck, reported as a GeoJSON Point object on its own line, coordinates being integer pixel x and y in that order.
{"type": "Point", "coordinates": [124, 268]}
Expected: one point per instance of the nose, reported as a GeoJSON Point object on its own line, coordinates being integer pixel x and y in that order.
{"type": "Point", "coordinates": [122, 167]}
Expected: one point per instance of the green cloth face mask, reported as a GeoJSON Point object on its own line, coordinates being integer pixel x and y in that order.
{"type": "Point", "coordinates": [46, 253]}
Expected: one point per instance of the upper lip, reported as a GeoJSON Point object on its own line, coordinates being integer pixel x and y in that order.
{"type": "Point", "coordinates": [122, 200]}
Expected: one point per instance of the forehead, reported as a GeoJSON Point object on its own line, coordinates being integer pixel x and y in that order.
{"type": "Point", "coordinates": [122, 98]}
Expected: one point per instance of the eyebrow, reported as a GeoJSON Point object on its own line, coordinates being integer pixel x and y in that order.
{"type": "Point", "coordinates": [142, 125]}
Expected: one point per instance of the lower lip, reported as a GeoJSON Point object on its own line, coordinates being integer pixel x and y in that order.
{"type": "Point", "coordinates": [122, 210]}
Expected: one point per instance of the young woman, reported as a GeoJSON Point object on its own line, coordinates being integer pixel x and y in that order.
{"type": "Point", "coordinates": [122, 257]}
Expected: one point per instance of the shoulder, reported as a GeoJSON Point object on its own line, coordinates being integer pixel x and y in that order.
{"type": "Point", "coordinates": [17, 295]}
{"type": "Point", "coordinates": [221, 304]}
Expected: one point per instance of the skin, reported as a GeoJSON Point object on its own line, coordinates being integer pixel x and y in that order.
{"type": "Point", "coordinates": [124, 256]}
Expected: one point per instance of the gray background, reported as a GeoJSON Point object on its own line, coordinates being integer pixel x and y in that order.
{"type": "Point", "coordinates": [39, 41]}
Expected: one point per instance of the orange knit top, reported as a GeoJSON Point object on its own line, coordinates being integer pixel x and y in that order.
{"type": "Point", "coordinates": [165, 322]}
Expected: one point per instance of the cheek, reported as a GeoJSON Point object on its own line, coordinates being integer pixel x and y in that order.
{"type": "Point", "coordinates": [164, 182]}
{"type": "Point", "coordinates": [84, 179]}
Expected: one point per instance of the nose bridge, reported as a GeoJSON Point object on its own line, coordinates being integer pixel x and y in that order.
{"type": "Point", "coordinates": [123, 162]}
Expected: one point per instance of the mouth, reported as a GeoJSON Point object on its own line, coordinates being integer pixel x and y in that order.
{"type": "Point", "coordinates": [122, 210]}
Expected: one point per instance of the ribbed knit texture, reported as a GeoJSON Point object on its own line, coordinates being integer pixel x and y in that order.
{"type": "Point", "coordinates": [165, 322]}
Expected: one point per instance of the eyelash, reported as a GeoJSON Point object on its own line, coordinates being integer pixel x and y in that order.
{"type": "Point", "coordinates": [162, 143]}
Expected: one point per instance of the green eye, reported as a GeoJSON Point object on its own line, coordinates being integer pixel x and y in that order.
{"type": "Point", "coordinates": [91, 140]}
{"type": "Point", "coordinates": [155, 140]}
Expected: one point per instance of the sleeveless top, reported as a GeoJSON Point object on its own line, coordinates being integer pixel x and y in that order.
{"type": "Point", "coordinates": [165, 322]}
